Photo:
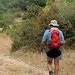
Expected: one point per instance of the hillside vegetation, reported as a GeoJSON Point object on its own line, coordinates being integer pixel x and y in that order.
{"type": "Point", "coordinates": [26, 20]}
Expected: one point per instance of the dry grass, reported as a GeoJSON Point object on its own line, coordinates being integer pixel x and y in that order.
{"type": "Point", "coordinates": [34, 59]}
{"type": "Point", "coordinates": [5, 43]}
{"type": "Point", "coordinates": [1, 63]}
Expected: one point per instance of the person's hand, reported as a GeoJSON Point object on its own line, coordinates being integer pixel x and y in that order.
{"type": "Point", "coordinates": [63, 42]}
{"type": "Point", "coordinates": [42, 45]}
{"type": "Point", "coordinates": [41, 50]}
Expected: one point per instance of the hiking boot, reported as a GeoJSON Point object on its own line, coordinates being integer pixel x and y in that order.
{"type": "Point", "coordinates": [50, 73]}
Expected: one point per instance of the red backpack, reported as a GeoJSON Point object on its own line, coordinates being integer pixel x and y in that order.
{"type": "Point", "coordinates": [55, 39]}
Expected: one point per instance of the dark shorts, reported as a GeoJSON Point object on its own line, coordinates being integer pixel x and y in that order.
{"type": "Point", "coordinates": [49, 58]}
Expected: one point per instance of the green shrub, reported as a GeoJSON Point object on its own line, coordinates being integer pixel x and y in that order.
{"type": "Point", "coordinates": [14, 10]}
{"type": "Point", "coordinates": [18, 14]}
{"type": "Point", "coordinates": [25, 16]}
{"type": "Point", "coordinates": [27, 34]}
{"type": "Point", "coordinates": [15, 46]}
{"type": "Point", "coordinates": [6, 20]}
{"type": "Point", "coordinates": [70, 43]}
{"type": "Point", "coordinates": [31, 12]}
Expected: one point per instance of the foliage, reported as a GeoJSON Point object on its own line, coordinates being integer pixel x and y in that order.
{"type": "Point", "coordinates": [6, 20]}
{"type": "Point", "coordinates": [5, 2]}
{"type": "Point", "coordinates": [25, 33]}
{"type": "Point", "coordinates": [70, 43]}
{"type": "Point", "coordinates": [41, 3]}
{"type": "Point", "coordinates": [31, 12]}
{"type": "Point", "coordinates": [15, 46]}
{"type": "Point", "coordinates": [14, 10]}
{"type": "Point", "coordinates": [66, 10]}
{"type": "Point", "coordinates": [25, 16]}
{"type": "Point", "coordinates": [24, 3]}
{"type": "Point", "coordinates": [18, 14]}
{"type": "Point", "coordinates": [2, 8]}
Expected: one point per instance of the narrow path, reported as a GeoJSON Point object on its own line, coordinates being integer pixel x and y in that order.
{"type": "Point", "coordinates": [11, 66]}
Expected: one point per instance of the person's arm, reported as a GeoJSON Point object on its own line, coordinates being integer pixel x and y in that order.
{"type": "Point", "coordinates": [43, 40]}
{"type": "Point", "coordinates": [62, 38]}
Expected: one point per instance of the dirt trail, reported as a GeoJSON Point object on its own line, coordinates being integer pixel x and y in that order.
{"type": "Point", "coordinates": [11, 66]}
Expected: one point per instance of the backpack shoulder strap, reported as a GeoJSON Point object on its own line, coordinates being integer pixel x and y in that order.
{"type": "Point", "coordinates": [59, 35]}
{"type": "Point", "coordinates": [50, 32]}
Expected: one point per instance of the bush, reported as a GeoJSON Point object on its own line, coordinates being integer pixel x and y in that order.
{"type": "Point", "coordinates": [14, 10]}
{"type": "Point", "coordinates": [70, 43]}
{"type": "Point", "coordinates": [15, 46]}
{"type": "Point", "coordinates": [6, 20]}
{"type": "Point", "coordinates": [31, 12]}
{"type": "Point", "coordinates": [18, 14]}
{"type": "Point", "coordinates": [25, 16]}
{"type": "Point", "coordinates": [27, 34]}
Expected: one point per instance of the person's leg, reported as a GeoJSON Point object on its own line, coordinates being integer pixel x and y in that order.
{"type": "Point", "coordinates": [49, 62]}
{"type": "Point", "coordinates": [56, 69]}
{"type": "Point", "coordinates": [49, 65]}
{"type": "Point", "coordinates": [56, 63]}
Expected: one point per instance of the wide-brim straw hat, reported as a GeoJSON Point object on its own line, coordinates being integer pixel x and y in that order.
{"type": "Point", "coordinates": [53, 23]}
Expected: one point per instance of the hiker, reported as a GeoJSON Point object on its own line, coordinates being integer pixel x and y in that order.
{"type": "Point", "coordinates": [53, 38]}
